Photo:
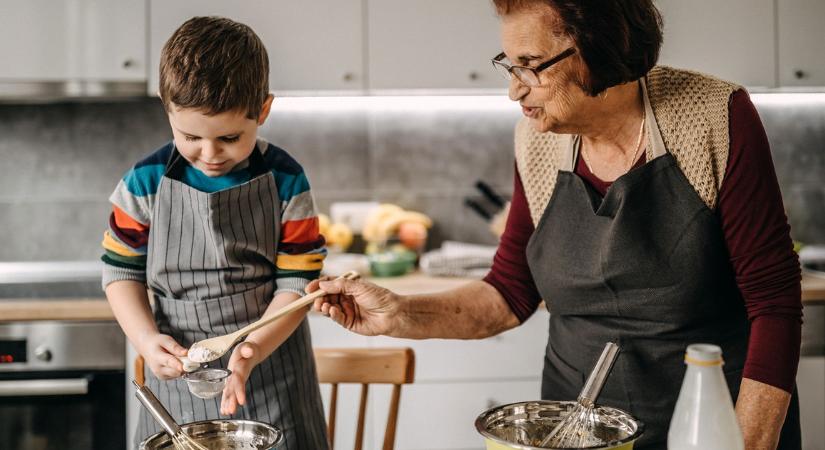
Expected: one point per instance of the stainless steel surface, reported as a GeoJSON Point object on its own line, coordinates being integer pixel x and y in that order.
{"type": "Point", "coordinates": [70, 345]}
{"type": "Point", "coordinates": [47, 387]}
{"type": "Point", "coordinates": [48, 91]}
{"type": "Point", "coordinates": [223, 435]}
{"type": "Point", "coordinates": [156, 409]}
{"type": "Point", "coordinates": [595, 382]}
{"type": "Point", "coordinates": [522, 426]}
{"type": "Point", "coordinates": [50, 271]}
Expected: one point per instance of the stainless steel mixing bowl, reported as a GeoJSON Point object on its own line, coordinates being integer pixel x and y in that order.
{"type": "Point", "coordinates": [522, 426]}
{"type": "Point", "coordinates": [222, 435]}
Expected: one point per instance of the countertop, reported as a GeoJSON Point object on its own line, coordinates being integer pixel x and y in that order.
{"type": "Point", "coordinates": [813, 292]}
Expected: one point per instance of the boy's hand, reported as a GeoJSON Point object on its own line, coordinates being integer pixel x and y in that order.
{"type": "Point", "coordinates": [244, 358]}
{"type": "Point", "coordinates": [161, 352]}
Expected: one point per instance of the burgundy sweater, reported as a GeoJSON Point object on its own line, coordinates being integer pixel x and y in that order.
{"type": "Point", "coordinates": [757, 236]}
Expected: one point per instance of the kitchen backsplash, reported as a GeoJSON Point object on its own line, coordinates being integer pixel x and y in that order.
{"type": "Point", "coordinates": [61, 161]}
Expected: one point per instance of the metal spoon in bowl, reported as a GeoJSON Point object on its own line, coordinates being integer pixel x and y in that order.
{"type": "Point", "coordinates": [182, 440]}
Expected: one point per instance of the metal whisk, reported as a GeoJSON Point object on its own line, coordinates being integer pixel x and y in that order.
{"type": "Point", "coordinates": [577, 428]}
{"type": "Point", "coordinates": [180, 439]}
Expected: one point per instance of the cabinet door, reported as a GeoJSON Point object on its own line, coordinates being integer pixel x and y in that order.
{"type": "Point", "coordinates": [732, 39]}
{"type": "Point", "coordinates": [801, 42]}
{"type": "Point", "coordinates": [432, 44]}
{"type": "Point", "coordinates": [441, 416]}
{"type": "Point", "coordinates": [43, 40]}
{"type": "Point", "coordinates": [311, 45]}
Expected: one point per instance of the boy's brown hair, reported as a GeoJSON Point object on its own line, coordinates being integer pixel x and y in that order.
{"type": "Point", "coordinates": [215, 65]}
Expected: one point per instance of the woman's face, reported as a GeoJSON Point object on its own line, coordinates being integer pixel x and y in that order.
{"type": "Point", "coordinates": [530, 37]}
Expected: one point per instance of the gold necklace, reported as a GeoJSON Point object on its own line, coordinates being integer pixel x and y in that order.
{"type": "Point", "coordinates": [635, 153]}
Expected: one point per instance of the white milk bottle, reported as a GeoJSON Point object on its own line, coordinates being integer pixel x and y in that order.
{"type": "Point", "coordinates": [704, 417]}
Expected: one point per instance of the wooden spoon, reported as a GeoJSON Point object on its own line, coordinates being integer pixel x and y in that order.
{"type": "Point", "coordinates": [213, 348]}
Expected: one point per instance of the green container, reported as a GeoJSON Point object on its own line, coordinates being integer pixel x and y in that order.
{"type": "Point", "coordinates": [391, 263]}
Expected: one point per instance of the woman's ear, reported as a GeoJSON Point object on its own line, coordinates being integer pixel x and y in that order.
{"type": "Point", "coordinates": [265, 108]}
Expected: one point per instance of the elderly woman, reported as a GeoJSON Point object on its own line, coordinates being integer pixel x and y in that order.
{"type": "Point", "coordinates": [645, 212]}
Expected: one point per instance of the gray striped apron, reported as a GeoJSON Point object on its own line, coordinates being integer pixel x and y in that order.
{"type": "Point", "coordinates": [211, 268]}
{"type": "Point", "coordinates": [646, 267]}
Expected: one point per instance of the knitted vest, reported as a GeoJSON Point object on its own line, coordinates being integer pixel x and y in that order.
{"type": "Point", "coordinates": [691, 110]}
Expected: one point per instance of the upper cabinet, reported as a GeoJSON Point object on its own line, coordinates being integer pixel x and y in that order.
{"type": "Point", "coordinates": [426, 44]}
{"type": "Point", "coordinates": [801, 42]}
{"type": "Point", "coordinates": [731, 39]}
{"type": "Point", "coordinates": [73, 40]}
{"type": "Point", "coordinates": [314, 45]}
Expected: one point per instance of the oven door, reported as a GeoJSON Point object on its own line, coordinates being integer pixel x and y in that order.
{"type": "Point", "coordinates": [69, 410]}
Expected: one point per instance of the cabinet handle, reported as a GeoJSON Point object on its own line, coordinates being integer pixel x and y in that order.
{"type": "Point", "coordinates": [474, 76]}
{"type": "Point", "coordinates": [349, 76]}
{"type": "Point", "coordinates": [799, 74]}
{"type": "Point", "coordinates": [128, 63]}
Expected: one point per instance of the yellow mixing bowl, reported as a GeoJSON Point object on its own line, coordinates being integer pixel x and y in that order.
{"type": "Point", "coordinates": [522, 426]}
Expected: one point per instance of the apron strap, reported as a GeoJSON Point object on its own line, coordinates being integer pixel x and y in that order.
{"type": "Point", "coordinates": [177, 164]}
{"type": "Point", "coordinates": [570, 152]}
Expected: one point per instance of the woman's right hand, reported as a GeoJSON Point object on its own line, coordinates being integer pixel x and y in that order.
{"type": "Point", "coordinates": [161, 353]}
{"type": "Point", "coordinates": [357, 305]}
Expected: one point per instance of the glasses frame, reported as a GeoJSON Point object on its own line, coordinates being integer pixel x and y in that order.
{"type": "Point", "coordinates": [509, 69]}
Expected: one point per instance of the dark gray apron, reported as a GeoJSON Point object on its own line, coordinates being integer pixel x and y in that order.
{"type": "Point", "coordinates": [646, 267]}
{"type": "Point", "coordinates": [211, 266]}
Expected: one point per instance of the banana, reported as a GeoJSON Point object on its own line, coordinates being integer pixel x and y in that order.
{"type": "Point", "coordinates": [376, 217]}
{"type": "Point", "coordinates": [390, 224]}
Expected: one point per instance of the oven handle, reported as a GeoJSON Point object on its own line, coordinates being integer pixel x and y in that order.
{"type": "Point", "coordinates": [27, 388]}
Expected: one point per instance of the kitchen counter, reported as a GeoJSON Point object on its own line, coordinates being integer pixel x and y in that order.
{"type": "Point", "coordinates": [11, 310]}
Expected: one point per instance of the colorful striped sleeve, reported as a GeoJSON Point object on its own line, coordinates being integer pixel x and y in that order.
{"type": "Point", "coordinates": [301, 248]}
{"type": "Point", "coordinates": [127, 234]}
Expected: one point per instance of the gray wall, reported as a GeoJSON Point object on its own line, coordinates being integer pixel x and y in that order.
{"type": "Point", "coordinates": [61, 161]}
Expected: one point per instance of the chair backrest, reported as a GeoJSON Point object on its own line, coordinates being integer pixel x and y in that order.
{"type": "Point", "coordinates": [366, 366]}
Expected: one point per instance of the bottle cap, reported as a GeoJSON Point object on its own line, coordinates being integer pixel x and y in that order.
{"type": "Point", "coordinates": [704, 355]}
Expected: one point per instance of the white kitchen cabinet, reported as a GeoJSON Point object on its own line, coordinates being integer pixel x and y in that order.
{"type": "Point", "coordinates": [455, 380]}
{"type": "Point", "coordinates": [73, 40]}
{"type": "Point", "coordinates": [311, 45]}
{"type": "Point", "coordinates": [801, 42]}
{"type": "Point", "coordinates": [443, 44]}
{"type": "Point", "coordinates": [732, 39]}
{"type": "Point", "coordinates": [441, 416]}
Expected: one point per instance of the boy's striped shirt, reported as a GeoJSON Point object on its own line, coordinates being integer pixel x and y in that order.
{"type": "Point", "coordinates": [300, 252]}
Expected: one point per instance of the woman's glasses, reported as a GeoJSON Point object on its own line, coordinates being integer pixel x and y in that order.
{"type": "Point", "coordinates": [528, 76]}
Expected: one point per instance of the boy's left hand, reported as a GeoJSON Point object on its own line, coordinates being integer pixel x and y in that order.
{"type": "Point", "coordinates": [244, 358]}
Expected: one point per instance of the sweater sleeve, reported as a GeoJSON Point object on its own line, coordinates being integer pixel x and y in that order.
{"type": "Point", "coordinates": [126, 237]}
{"type": "Point", "coordinates": [510, 274]}
{"type": "Point", "coordinates": [301, 247]}
{"type": "Point", "coordinates": [757, 235]}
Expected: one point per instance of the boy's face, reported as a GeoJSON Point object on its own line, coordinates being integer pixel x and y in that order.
{"type": "Point", "coordinates": [215, 144]}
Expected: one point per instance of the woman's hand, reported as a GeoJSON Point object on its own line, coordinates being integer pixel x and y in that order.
{"type": "Point", "coordinates": [244, 358]}
{"type": "Point", "coordinates": [357, 305]}
{"type": "Point", "coordinates": [161, 353]}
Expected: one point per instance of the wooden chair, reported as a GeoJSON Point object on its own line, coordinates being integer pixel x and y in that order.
{"type": "Point", "coordinates": [140, 377]}
{"type": "Point", "coordinates": [366, 366]}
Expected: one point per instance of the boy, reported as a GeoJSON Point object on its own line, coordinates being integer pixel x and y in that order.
{"type": "Point", "coordinates": [221, 226]}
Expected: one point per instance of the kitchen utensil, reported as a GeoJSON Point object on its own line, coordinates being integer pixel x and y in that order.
{"type": "Point", "coordinates": [181, 440]}
{"type": "Point", "coordinates": [523, 425]}
{"type": "Point", "coordinates": [188, 364]}
{"type": "Point", "coordinates": [213, 348]}
{"type": "Point", "coordinates": [577, 430]}
{"type": "Point", "coordinates": [206, 383]}
{"type": "Point", "coordinates": [222, 435]}
{"type": "Point", "coordinates": [490, 194]}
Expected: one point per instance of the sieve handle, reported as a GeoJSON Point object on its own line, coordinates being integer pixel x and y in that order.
{"type": "Point", "coordinates": [598, 375]}
{"type": "Point", "coordinates": [156, 409]}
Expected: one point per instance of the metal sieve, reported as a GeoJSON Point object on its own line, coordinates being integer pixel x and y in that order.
{"type": "Point", "coordinates": [206, 383]}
